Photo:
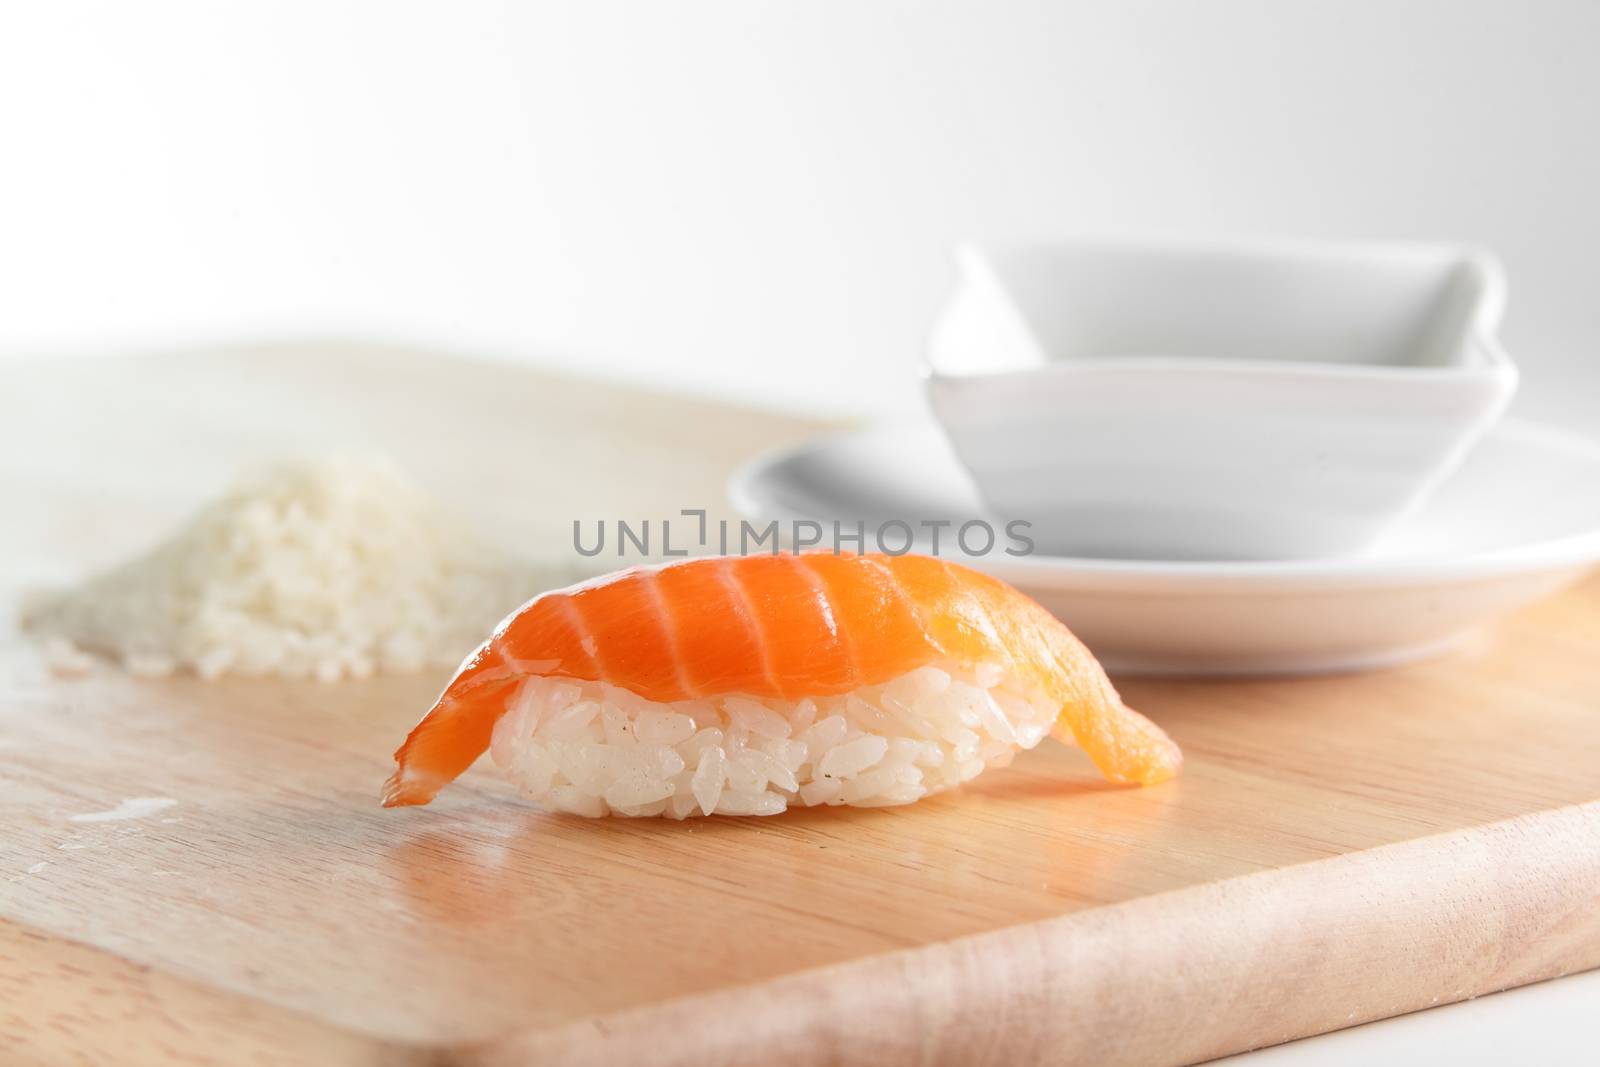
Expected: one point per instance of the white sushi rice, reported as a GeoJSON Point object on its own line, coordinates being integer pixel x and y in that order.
{"type": "Point", "coordinates": [588, 748]}
{"type": "Point", "coordinates": [327, 569]}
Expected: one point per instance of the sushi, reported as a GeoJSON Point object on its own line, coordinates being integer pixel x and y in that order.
{"type": "Point", "coordinates": [744, 686]}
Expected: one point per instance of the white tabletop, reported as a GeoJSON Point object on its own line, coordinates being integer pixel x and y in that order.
{"type": "Point", "coordinates": [1546, 1023]}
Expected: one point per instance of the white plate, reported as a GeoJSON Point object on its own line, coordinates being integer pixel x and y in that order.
{"type": "Point", "coordinates": [1519, 520]}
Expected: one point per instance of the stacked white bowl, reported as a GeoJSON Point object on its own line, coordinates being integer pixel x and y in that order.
{"type": "Point", "coordinates": [1217, 401]}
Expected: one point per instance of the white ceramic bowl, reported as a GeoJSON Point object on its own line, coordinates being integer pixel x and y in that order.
{"type": "Point", "coordinates": [1258, 400]}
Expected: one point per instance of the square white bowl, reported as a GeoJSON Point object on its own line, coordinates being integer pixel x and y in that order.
{"type": "Point", "coordinates": [1238, 400]}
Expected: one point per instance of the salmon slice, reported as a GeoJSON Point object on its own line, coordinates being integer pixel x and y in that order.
{"type": "Point", "coordinates": [780, 628]}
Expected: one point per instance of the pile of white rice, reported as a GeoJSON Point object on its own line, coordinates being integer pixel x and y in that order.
{"type": "Point", "coordinates": [592, 749]}
{"type": "Point", "coordinates": [327, 569]}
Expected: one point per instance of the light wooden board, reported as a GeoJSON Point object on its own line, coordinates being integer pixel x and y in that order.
{"type": "Point", "coordinates": [1340, 849]}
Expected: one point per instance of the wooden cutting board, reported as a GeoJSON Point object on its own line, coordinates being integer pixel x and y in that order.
{"type": "Point", "coordinates": [1340, 849]}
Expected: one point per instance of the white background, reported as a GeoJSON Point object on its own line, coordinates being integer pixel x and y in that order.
{"type": "Point", "coordinates": [755, 199]}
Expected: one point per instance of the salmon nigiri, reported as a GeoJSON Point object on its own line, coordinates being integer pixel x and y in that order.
{"type": "Point", "coordinates": [740, 686]}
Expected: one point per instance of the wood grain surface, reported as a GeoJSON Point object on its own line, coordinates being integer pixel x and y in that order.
{"type": "Point", "coordinates": [1340, 849]}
